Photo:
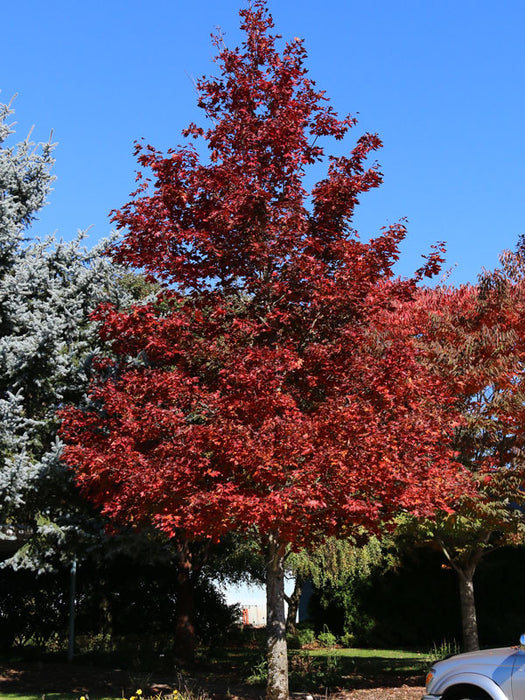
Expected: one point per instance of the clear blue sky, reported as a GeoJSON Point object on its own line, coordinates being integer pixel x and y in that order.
{"type": "Point", "coordinates": [441, 81]}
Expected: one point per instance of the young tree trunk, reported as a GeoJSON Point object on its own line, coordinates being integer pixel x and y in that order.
{"type": "Point", "coordinates": [468, 609]}
{"type": "Point", "coordinates": [184, 641]}
{"type": "Point", "coordinates": [293, 605]}
{"type": "Point", "coordinates": [277, 687]}
{"type": "Point", "coordinates": [465, 567]}
{"type": "Point", "coordinates": [106, 618]}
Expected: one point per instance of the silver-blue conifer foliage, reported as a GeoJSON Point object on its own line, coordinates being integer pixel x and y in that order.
{"type": "Point", "coordinates": [48, 289]}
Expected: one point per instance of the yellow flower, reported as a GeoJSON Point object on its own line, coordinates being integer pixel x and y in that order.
{"type": "Point", "coordinates": [139, 691]}
{"type": "Point", "coordinates": [82, 697]}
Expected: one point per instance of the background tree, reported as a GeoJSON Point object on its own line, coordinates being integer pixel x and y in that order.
{"type": "Point", "coordinates": [47, 292]}
{"type": "Point", "coordinates": [47, 342]}
{"type": "Point", "coordinates": [333, 567]}
{"type": "Point", "coordinates": [218, 410]}
{"type": "Point", "coordinates": [475, 339]}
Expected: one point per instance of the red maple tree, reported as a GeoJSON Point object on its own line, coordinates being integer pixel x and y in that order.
{"type": "Point", "coordinates": [262, 389]}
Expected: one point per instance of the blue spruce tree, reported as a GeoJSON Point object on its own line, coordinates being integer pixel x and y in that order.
{"type": "Point", "coordinates": [47, 292]}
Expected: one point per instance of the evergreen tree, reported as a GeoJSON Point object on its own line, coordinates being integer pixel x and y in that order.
{"type": "Point", "coordinates": [47, 291]}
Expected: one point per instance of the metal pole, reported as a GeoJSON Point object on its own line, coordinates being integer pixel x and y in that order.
{"type": "Point", "coordinates": [72, 596]}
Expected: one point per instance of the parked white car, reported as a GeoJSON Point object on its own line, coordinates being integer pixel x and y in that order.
{"type": "Point", "coordinates": [493, 674]}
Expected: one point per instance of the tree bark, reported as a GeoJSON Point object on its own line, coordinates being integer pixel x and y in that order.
{"type": "Point", "coordinates": [277, 687]}
{"type": "Point", "coordinates": [465, 567]}
{"type": "Point", "coordinates": [184, 640]}
{"type": "Point", "coordinates": [293, 605]}
{"type": "Point", "coordinates": [468, 609]}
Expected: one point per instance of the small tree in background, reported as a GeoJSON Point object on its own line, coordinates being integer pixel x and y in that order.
{"type": "Point", "coordinates": [333, 568]}
{"type": "Point", "coordinates": [262, 391]}
{"type": "Point", "coordinates": [475, 339]}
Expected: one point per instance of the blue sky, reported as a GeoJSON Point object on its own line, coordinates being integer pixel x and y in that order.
{"type": "Point", "coordinates": [441, 81]}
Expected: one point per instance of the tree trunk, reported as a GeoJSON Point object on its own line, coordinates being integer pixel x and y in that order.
{"type": "Point", "coordinates": [184, 641]}
{"type": "Point", "coordinates": [465, 567]}
{"type": "Point", "coordinates": [293, 605]}
{"type": "Point", "coordinates": [468, 609]}
{"type": "Point", "coordinates": [277, 687]}
{"type": "Point", "coordinates": [106, 617]}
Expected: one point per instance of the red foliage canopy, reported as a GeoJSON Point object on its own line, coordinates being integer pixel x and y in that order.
{"type": "Point", "coordinates": [263, 386]}
{"type": "Point", "coordinates": [475, 340]}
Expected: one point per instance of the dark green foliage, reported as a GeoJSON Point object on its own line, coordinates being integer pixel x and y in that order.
{"type": "Point", "coordinates": [32, 607]}
{"type": "Point", "coordinates": [236, 559]}
{"type": "Point", "coordinates": [126, 597]}
{"type": "Point", "coordinates": [416, 604]}
{"type": "Point", "coordinates": [305, 634]}
{"type": "Point", "coordinates": [122, 606]}
{"type": "Point", "coordinates": [337, 603]}
{"type": "Point", "coordinates": [326, 638]}
{"type": "Point", "coordinates": [499, 596]}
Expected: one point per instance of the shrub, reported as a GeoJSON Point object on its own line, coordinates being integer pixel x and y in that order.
{"type": "Point", "coordinates": [308, 673]}
{"type": "Point", "coordinates": [442, 651]}
{"type": "Point", "coordinates": [326, 639]}
{"type": "Point", "coordinates": [33, 608]}
{"type": "Point", "coordinates": [305, 636]}
{"type": "Point", "coordinates": [348, 640]}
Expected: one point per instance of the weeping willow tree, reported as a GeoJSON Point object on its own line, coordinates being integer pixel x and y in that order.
{"type": "Point", "coordinates": [335, 565]}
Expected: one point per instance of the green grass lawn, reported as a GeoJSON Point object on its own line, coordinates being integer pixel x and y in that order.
{"type": "Point", "coordinates": [356, 668]}
{"type": "Point", "coordinates": [379, 659]}
{"type": "Point", "coordinates": [374, 662]}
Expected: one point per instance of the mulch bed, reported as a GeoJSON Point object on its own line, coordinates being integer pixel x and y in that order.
{"type": "Point", "coordinates": [49, 677]}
